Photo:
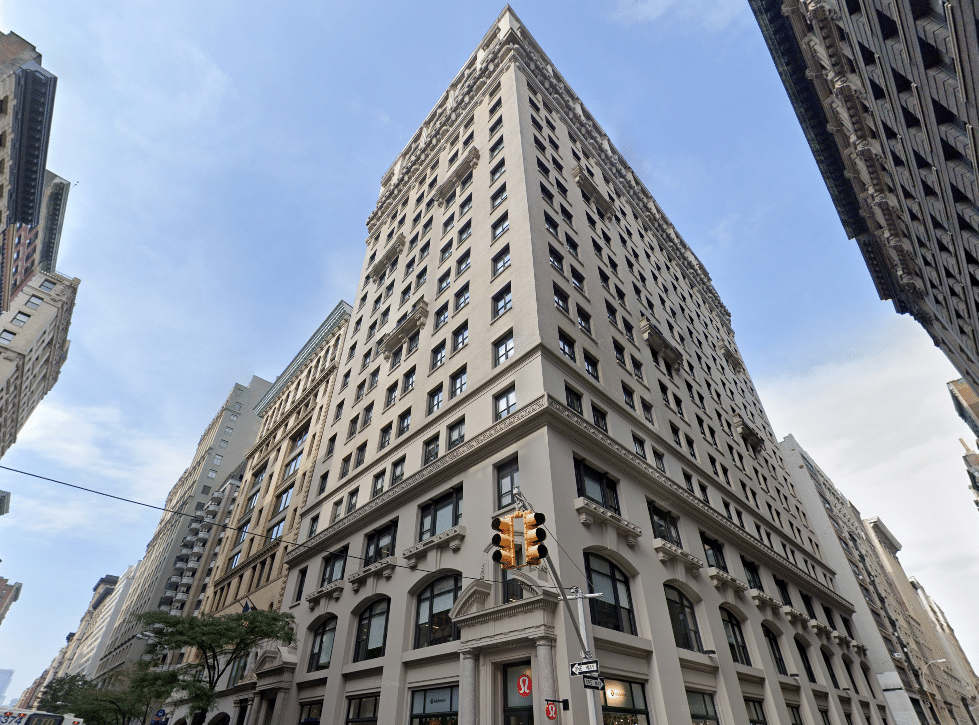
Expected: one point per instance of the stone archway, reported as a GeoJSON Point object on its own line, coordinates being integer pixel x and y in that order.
{"type": "Point", "coordinates": [221, 718]}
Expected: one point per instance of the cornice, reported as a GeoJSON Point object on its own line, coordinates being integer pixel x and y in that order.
{"type": "Point", "coordinates": [333, 321]}
{"type": "Point", "coordinates": [547, 410]}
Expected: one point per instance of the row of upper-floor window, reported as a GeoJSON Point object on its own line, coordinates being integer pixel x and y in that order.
{"type": "Point", "coordinates": [569, 347]}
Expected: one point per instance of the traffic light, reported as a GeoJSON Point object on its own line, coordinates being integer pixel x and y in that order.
{"type": "Point", "coordinates": [506, 554]}
{"type": "Point", "coordinates": [532, 537]}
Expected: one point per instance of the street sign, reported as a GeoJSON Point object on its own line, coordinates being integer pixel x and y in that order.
{"type": "Point", "coordinates": [593, 683]}
{"type": "Point", "coordinates": [551, 711]}
{"type": "Point", "coordinates": [584, 667]}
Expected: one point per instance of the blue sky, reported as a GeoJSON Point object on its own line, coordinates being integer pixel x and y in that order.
{"type": "Point", "coordinates": [227, 154]}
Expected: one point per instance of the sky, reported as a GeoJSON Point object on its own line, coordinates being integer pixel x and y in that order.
{"type": "Point", "coordinates": [225, 156]}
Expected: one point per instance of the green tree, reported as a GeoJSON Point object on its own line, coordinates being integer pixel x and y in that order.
{"type": "Point", "coordinates": [130, 693]}
{"type": "Point", "coordinates": [218, 640]}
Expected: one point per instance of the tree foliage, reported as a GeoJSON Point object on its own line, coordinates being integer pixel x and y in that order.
{"type": "Point", "coordinates": [131, 693]}
{"type": "Point", "coordinates": [213, 642]}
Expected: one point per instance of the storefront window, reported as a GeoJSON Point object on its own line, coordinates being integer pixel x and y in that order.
{"type": "Point", "coordinates": [437, 706]}
{"type": "Point", "coordinates": [518, 700]}
{"type": "Point", "coordinates": [624, 703]}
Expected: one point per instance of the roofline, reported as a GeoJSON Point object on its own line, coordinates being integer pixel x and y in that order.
{"type": "Point", "coordinates": [339, 313]}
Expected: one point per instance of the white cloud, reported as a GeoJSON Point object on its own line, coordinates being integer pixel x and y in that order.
{"type": "Point", "coordinates": [878, 419]}
{"type": "Point", "coordinates": [98, 448]}
{"type": "Point", "coordinates": [714, 15]}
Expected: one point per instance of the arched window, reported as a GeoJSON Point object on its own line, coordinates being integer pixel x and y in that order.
{"type": "Point", "coordinates": [828, 661]}
{"type": "Point", "coordinates": [434, 602]}
{"type": "Point", "coordinates": [772, 639]}
{"type": "Point", "coordinates": [614, 609]}
{"type": "Point", "coordinates": [322, 650]}
{"type": "Point", "coordinates": [735, 637]}
{"type": "Point", "coordinates": [804, 658]}
{"type": "Point", "coordinates": [684, 622]}
{"type": "Point", "coordinates": [372, 630]}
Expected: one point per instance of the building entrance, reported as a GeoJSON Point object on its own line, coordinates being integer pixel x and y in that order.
{"type": "Point", "coordinates": [518, 695]}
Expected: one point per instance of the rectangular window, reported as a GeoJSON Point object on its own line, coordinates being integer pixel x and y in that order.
{"type": "Point", "coordinates": [385, 439]}
{"type": "Point", "coordinates": [507, 478]}
{"type": "Point", "coordinates": [665, 525]}
{"type": "Point", "coordinates": [438, 355]}
{"type": "Point", "coordinates": [503, 349]}
{"type": "Point", "coordinates": [584, 320]}
{"type": "Point", "coordinates": [600, 418]}
{"type": "Point", "coordinates": [457, 434]}
{"type": "Point", "coordinates": [714, 551]}
{"type": "Point", "coordinates": [639, 445]}
{"type": "Point", "coordinates": [496, 147]}
{"type": "Point", "coordinates": [462, 297]}
{"type": "Point", "coordinates": [430, 450]}
{"type": "Point", "coordinates": [460, 337]}
{"type": "Point", "coordinates": [440, 515]}
{"type": "Point", "coordinates": [497, 171]}
{"type": "Point", "coordinates": [505, 403]}
{"type": "Point", "coordinates": [499, 196]}
{"type": "Point", "coordinates": [596, 486]}
{"type": "Point", "coordinates": [463, 264]}
{"type": "Point", "coordinates": [628, 396]}
{"type": "Point", "coordinates": [380, 543]}
{"type": "Point", "coordinates": [444, 282]}
{"type": "Point", "coordinates": [435, 400]}
{"type": "Point", "coordinates": [573, 399]}
{"type": "Point", "coordinates": [591, 365]}
{"type": "Point", "coordinates": [457, 383]}
{"type": "Point", "coordinates": [502, 300]}
{"type": "Point", "coordinates": [397, 471]}
{"type": "Point", "coordinates": [377, 486]}
{"type": "Point", "coordinates": [566, 345]}
{"type": "Point", "coordinates": [502, 260]}
{"type": "Point", "coordinates": [501, 225]}
{"type": "Point", "coordinates": [404, 422]}
{"type": "Point", "coordinates": [561, 300]}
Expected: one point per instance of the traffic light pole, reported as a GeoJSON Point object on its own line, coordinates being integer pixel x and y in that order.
{"type": "Point", "coordinates": [581, 625]}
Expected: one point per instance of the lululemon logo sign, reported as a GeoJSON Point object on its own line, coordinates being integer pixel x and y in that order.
{"type": "Point", "coordinates": [551, 711]}
{"type": "Point", "coordinates": [523, 686]}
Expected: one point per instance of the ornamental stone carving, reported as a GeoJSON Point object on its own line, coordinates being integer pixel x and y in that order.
{"type": "Point", "coordinates": [589, 512]}
{"type": "Point", "coordinates": [452, 538]}
{"type": "Point", "coordinates": [659, 343]}
{"type": "Point", "coordinates": [794, 615]}
{"type": "Point", "coordinates": [467, 164]}
{"type": "Point", "coordinates": [334, 589]}
{"type": "Point", "coordinates": [671, 552]}
{"type": "Point", "coordinates": [387, 258]}
{"type": "Point", "coordinates": [385, 567]}
{"type": "Point", "coordinates": [409, 326]}
{"type": "Point", "coordinates": [721, 579]}
{"type": "Point", "coordinates": [750, 436]}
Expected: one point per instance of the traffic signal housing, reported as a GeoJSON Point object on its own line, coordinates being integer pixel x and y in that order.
{"type": "Point", "coordinates": [506, 552]}
{"type": "Point", "coordinates": [534, 550]}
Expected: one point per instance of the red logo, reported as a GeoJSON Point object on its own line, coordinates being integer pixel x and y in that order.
{"type": "Point", "coordinates": [523, 685]}
{"type": "Point", "coordinates": [551, 711]}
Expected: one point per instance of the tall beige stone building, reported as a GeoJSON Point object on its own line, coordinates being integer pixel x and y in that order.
{"type": "Point", "coordinates": [886, 93]}
{"type": "Point", "coordinates": [33, 348]}
{"type": "Point", "coordinates": [166, 574]}
{"type": "Point", "coordinates": [527, 316]}
{"type": "Point", "coordinates": [278, 475]}
{"type": "Point", "coordinates": [914, 654]}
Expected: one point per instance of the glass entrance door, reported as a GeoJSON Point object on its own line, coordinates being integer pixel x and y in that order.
{"type": "Point", "coordinates": [518, 695]}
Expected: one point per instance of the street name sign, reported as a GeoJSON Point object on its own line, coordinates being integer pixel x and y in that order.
{"type": "Point", "coordinates": [593, 683]}
{"type": "Point", "coordinates": [584, 667]}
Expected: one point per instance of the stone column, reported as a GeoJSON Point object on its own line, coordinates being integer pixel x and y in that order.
{"type": "Point", "coordinates": [253, 711]}
{"type": "Point", "coordinates": [469, 687]}
{"type": "Point", "coordinates": [544, 683]}
{"type": "Point", "coordinates": [280, 696]}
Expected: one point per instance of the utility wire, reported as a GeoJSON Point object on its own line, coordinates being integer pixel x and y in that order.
{"type": "Point", "coordinates": [312, 547]}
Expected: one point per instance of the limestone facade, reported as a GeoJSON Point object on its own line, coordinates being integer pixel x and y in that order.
{"type": "Point", "coordinates": [527, 315]}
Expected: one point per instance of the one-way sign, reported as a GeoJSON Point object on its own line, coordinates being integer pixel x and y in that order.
{"type": "Point", "coordinates": [583, 667]}
{"type": "Point", "coordinates": [593, 683]}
